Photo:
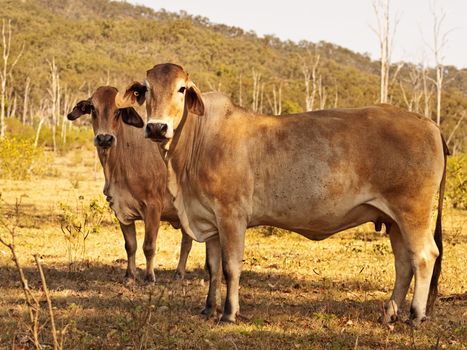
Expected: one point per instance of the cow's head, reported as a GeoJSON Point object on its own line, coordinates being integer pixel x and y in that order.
{"type": "Point", "coordinates": [168, 93]}
{"type": "Point", "coordinates": [105, 116]}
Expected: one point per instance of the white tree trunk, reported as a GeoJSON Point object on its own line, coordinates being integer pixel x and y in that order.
{"type": "Point", "coordinates": [311, 76]}
{"type": "Point", "coordinates": [38, 132]}
{"type": "Point", "coordinates": [383, 32]}
{"type": "Point", "coordinates": [439, 43]}
{"type": "Point", "coordinates": [257, 92]}
{"type": "Point", "coordinates": [27, 86]}
{"type": "Point", "coordinates": [54, 93]}
{"type": "Point", "coordinates": [6, 71]}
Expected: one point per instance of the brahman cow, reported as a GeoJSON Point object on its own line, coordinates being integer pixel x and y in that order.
{"type": "Point", "coordinates": [315, 173]}
{"type": "Point", "coordinates": [135, 177]}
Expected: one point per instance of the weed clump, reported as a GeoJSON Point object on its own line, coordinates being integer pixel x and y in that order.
{"type": "Point", "coordinates": [456, 181]}
{"type": "Point", "coordinates": [77, 223]}
{"type": "Point", "coordinates": [19, 159]}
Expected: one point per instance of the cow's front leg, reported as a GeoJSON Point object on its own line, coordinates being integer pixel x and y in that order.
{"type": "Point", "coordinates": [232, 241]}
{"type": "Point", "coordinates": [185, 249]}
{"type": "Point", "coordinates": [129, 234]}
{"type": "Point", "coordinates": [151, 228]}
{"type": "Point", "coordinates": [213, 263]}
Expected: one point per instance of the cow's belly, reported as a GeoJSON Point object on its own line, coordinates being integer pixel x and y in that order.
{"type": "Point", "coordinates": [314, 207]}
{"type": "Point", "coordinates": [318, 227]}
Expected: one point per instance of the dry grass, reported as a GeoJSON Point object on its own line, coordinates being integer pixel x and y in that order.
{"type": "Point", "coordinates": [295, 294]}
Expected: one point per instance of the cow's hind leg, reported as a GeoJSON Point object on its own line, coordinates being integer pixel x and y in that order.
{"type": "Point", "coordinates": [151, 228]}
{"type": "Point", "coordinates": [423, 253]}
{"type": "Point", "coordinates": [185, 249]}
{"type": "Point", "coordinates": [213, 263]}
{"type": "Point", "coordinates": [129, 234]}
{"type": "Point", "coordinates": [404, 275]}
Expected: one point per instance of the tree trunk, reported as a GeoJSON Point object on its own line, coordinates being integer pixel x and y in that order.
{"type": "Point", "coordinates": [6, 71]}
{"type": "Point", "coordinates": [382, 31]}
{"type": "Point", "coordinates": [25, 100]}
{"type": "Point", "coordinates": [38, 131]}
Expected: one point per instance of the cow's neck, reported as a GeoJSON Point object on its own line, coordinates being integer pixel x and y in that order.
{"type": "Point", "coordinates": [183, 150]}
{"type": "Point", "coordinates": [111, 158]}
{"type": "Point", "coordinates": [181, 162]}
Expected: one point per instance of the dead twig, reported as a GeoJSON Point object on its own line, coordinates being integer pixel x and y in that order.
{"type": "Point", "coordinates": [49, 303]}
{"type": "Point", "coordinates": [32, 303]}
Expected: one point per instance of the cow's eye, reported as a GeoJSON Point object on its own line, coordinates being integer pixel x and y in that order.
{"type": "Point", "coordinates": [182, 90]}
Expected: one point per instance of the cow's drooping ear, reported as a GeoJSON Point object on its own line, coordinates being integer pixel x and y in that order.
{"type": "Point", "coordinates": [131, 117]}
{"type": "Point", "coordinates": [82, 107]}
{"type": "Point", "coordinates": [135, 94]}
{"type": "Point", "coordinates": [194, 100]}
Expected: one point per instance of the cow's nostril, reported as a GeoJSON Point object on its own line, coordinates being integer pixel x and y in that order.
{"type": "Point", "coordinates": [108, 138]}
{"type": "Point", "coordinates": [151, 127]}
{"type": "Point", "coordinates": [104, 140]}
{"type": "Point", "coordinates": [156, 131]}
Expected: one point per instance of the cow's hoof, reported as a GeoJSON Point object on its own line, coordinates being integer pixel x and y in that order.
{"type": "Point", "coordinates": [209, 312]}
{"type": "Point", "coordinates": [228, 318]}
{"type": "Point", "coordinates": [390, 313]}
{"type": "Point", "coordinates": [386, 319]}
{"type": "Point", "coordinates": [179, 275]}
{"type": "Point", "coordinates": [150, 279]}
{"type": "Point", "coordinates": [416, 322]}
{"type": "Point", "coordinates": [129, 279]}
{"type": "Point", "coordinates": [129, 275]}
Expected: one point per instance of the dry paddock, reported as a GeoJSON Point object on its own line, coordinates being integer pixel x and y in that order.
{"type": "Point", "coordinates": [295, 294]}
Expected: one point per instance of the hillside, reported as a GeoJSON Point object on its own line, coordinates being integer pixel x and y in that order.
{"type": "Point", "coordinates": [97, 42]}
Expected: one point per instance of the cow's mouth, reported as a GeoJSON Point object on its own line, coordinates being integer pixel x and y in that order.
{"type": "Point", "coordinates": [158, 139]}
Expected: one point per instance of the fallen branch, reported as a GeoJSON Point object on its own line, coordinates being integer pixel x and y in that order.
{"type": "Point", "coordinates": [49, 302]}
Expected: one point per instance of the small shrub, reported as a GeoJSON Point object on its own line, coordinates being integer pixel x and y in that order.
{"type": "Point", "coordinates": [456, 181]}
{"type": "Point", "coordinates": [77, 223]}
{"type": "Point", "coordinates": [20, 131]}
{"type": "Point", "coordinates": [271, 231]}
{"type": "Point", "coordinates": [19, 159]}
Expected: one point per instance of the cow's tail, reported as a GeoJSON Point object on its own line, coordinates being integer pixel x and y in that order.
{"type": "Point", "coordinates": [433, 293]}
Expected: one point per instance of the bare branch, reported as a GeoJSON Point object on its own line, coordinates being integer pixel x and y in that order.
{"type": "Point", "coordinates": [49, 303]}
{"type": "Point", "coordinates": [455, 128]}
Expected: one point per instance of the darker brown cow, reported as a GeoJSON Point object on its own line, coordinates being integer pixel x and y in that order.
{"type": "Point", "coordinates": [135, 177]}
{"type": "Point", "coordinates": [315, 173]}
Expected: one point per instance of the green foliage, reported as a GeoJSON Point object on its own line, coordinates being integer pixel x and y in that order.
{"type": "Point", "coordinates": [95, 42]}
{"type": "Point", "coordinates": [456, 181]}
{"type": "Point", "coordinates": [15, 128]}
{"type": "Point", "coordinates": [77, 223]}
{"type": "Point", "coordinates": [76, 136]}
{"type": "Point", "coordinates": [19, 159]}
{"type": "Point", "coordinates": [290, 106]}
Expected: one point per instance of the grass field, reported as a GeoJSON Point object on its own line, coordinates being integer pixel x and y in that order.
{"type": "Point", "coordinates": [295, 293]}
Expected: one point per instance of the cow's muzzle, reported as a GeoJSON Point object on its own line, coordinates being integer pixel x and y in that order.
{"type": "Point", "coordinates": [156, 131]}
{"type": "Point", "coordinates": [104, 140]}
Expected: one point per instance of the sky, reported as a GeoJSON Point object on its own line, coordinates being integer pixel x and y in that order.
{"type": "Point", "coordinates": [346, 23]}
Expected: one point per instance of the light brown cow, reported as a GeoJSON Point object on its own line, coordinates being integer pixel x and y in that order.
{"type": "Point", "coordinates": [135, 177]}
{"type": "Point", "coordinates": [315, 173]}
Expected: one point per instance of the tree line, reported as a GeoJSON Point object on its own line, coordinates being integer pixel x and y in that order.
{"type": "Point", "coordinates": [56, 52]}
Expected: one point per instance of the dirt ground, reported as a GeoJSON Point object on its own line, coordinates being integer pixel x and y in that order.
{"type": "Point", "coordinates": [295, 293]}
